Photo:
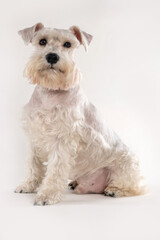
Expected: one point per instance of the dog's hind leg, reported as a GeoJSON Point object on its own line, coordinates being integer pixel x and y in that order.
{"type": "Point", "coordinates": [126, 179]}
{"type": "Point", "coordinates": [118, 189]}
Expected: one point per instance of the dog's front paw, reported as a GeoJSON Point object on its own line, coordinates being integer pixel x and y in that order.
{"type": "Point", "coordinates": [25, 188]}
{"type": "Point", "coordinates": [43, 199]}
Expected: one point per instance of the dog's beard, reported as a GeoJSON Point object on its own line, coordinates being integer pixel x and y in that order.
{"type": "Point", "coordinates": [59, 77]}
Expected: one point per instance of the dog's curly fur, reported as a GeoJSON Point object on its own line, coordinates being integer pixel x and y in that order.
{"type": "Point", "coordinates": [68, 137]}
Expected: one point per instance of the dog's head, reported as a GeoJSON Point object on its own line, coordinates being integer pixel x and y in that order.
{"type": "Point", "coordinates": [52, 65]}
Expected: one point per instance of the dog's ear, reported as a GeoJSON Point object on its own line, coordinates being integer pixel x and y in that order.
{"type": "Point", "coordinates": [27, 34]}
{"type": "Point", "coordinates": [83, 37]}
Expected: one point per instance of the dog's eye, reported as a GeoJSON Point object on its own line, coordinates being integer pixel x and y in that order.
{"type": "Point", "coordinates": [67, 44]}
{"type": "Point", "coordinates": [43, 42]}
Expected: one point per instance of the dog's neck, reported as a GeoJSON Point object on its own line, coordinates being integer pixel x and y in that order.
{"type": "Point", "coordinates": [44, 98]}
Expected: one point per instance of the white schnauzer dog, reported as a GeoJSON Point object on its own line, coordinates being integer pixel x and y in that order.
{"type": "Point", "coordinates": [68, 137]}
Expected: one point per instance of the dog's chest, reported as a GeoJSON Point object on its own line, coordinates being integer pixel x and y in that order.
{"type": "Point", "coordinates": [49, 116]}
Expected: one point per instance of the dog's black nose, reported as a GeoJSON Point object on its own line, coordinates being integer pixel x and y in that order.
{"type": "Point", "coordinates": [52, 58]}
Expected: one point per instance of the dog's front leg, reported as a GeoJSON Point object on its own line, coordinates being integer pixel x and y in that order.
{"type": "Point", "coordinates": [35, 172]}
{"type": "Point", "coordinates": [60, 161]}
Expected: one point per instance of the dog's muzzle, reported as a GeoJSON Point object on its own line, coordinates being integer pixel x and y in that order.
{"type": "Point", "coordinates": [52, 58]}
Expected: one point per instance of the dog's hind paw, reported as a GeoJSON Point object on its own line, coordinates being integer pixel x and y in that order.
{"type": "Point", "coordinates": [114, 192]}
{"type": "Point", "coordinates": [72, 185]}
{"type": "Point", "coordinates": [109, 194]}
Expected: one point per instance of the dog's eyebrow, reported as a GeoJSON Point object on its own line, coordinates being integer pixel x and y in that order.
{"type": "Point", "coordinates": [56, 39]}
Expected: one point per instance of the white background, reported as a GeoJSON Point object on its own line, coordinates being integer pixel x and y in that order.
{"type": "Point", "coordinates": [121, 74]}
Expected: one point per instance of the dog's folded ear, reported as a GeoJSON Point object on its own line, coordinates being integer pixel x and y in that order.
{"type": "Point", "coordinates": [83, 37]}
{"type": "Point", "coordinates": [27, 34]}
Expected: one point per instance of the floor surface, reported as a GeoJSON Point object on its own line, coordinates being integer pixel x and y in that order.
{"type": "Point", "coordinates": [80, 217]}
